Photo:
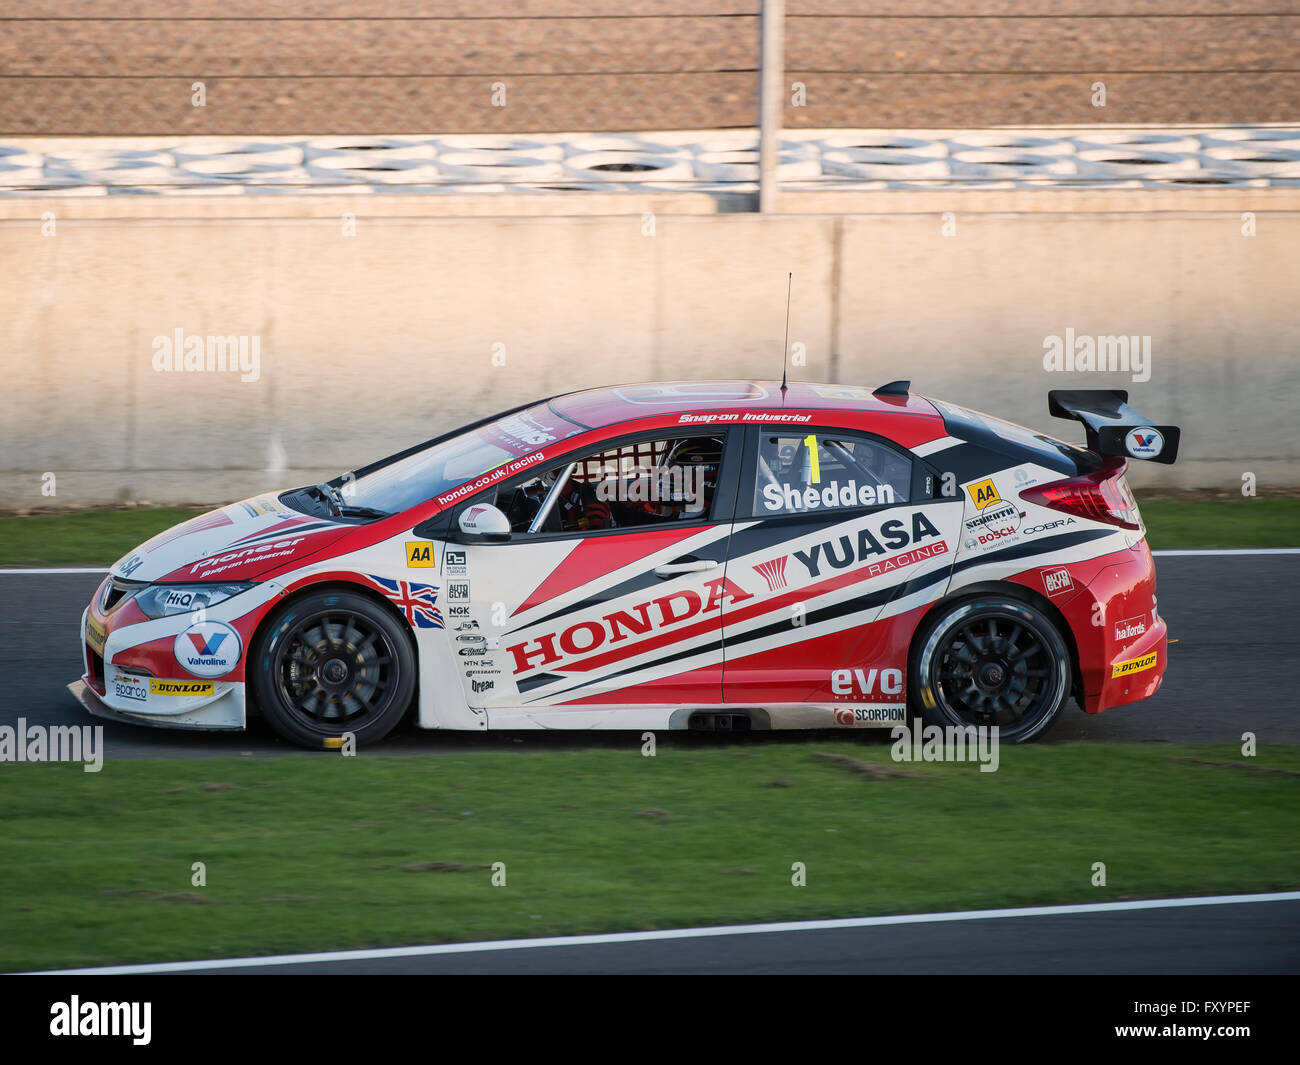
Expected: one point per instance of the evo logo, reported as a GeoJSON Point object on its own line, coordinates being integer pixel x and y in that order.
{"type": "Point", "coordinates": [857, 683]}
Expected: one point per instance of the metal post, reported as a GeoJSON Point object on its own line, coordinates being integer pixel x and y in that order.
{"type": "Point", "coordinates": [771, 100]}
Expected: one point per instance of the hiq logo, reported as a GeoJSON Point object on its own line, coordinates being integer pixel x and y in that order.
{"type": "Point", "coordinates": [210, 649]}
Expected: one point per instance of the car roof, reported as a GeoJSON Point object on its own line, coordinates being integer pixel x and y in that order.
{"type": "Point", "coordinates": [599, 407]}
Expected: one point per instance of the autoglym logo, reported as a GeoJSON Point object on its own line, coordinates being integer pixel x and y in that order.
{"type": "Point", "coordinates": [1057, 581]}
{"type": "Point", "coordinates": [585, 637]}
{"type": "Point", "coordinates": [1144, 443]}
{"type": "Point", "coordinates": [74, 1017]}
{"type": "Point", "coordinates": [983, 494]}
{"type": "Point", "coordinates": [209, 649]}
{"type": "Point", "coordinates": [773, 571]}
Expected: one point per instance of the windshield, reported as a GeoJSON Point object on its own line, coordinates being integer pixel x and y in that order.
{"type": "Point", "coordinates": [402, 483]}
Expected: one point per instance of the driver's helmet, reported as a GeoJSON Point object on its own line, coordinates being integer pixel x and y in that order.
{"type": "Point", "coordinates": [690, 470]}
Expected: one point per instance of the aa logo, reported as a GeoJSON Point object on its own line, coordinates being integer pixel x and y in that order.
{"type": "Point", "coordinates": [419, 553]}
{"type": "Point", "coordinates": [983, 494]}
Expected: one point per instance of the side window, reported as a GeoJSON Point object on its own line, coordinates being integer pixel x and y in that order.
{"type": "Point", "coordinates": [816, 471]}
{"type": "Point", "coordinates": [632, 485]}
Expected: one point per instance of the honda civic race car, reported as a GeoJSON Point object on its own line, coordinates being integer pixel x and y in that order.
{"type": "Point", "coordinates": [712, 555]}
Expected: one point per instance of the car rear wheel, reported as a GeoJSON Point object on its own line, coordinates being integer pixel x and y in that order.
{"type": "Point", "coordinates": [332, 663]}
{"type": "Point", "coordinates": [992, 660]}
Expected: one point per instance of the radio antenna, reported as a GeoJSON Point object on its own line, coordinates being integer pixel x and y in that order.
{"type": "Point", "coordinates": [785, 350]}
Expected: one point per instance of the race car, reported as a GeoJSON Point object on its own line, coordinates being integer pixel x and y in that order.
{"type": "Point", "coordinates": [688, 555]}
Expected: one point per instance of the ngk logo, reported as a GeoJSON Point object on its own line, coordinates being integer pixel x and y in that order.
{"type": "Point", "coordinates": [586, 636]}
{"type": "Point", "coordinates": [847, 683]}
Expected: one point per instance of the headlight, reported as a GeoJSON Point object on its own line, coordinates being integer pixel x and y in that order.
{"type": "Point", "coordinates": [164, 600]}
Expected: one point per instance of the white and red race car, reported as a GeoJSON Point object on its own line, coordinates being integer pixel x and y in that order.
{"type": "Point", "coordinates": [716, 555]}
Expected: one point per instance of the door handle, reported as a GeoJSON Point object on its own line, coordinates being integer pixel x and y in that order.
{"type": "Point", "coordinates": [695, 565]}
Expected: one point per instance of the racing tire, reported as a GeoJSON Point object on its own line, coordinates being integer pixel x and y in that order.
{"type": "Point", "coordinates": [991, 660]}
{"type": "Point", "coordinates": [331, 663]}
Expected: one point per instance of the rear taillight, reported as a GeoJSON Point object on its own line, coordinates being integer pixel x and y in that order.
{"type": "Point", "coordinates": [1099, 496]}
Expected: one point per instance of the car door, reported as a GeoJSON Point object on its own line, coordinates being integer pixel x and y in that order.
{"type": "Point", "coordinates": [611, 588]}
{"type": "Point", "coordinates": [839, 539]}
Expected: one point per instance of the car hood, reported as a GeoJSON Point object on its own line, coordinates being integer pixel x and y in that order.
{"type": "Point", "coordinates": [238, 542]}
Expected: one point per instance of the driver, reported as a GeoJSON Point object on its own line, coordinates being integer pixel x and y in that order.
{"type": "Point", "coordinates": [685, 481]}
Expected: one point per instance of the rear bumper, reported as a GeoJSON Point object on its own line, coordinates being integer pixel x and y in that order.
{"type": "Point", "coordinates": [1120, 635]}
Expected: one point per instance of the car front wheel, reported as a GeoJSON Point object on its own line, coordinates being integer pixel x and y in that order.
{"type": "Point", "coordinates": [992, 660]}
{"type": "Point", "coordinates": [331, 663]}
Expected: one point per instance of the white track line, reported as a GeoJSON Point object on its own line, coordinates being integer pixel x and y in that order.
{"type": "Point", "coordinates": [1230, 551]}
{"type": "Point", "coordinates": [672, 933]}
{"type": "Point", "coordinates": [70, 569]}
{"type": "Point", "coordinates": [1158, 554]}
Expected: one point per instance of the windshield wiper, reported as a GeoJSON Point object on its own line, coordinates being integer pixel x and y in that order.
{"type": "Point", "coordinates": [362, 512]}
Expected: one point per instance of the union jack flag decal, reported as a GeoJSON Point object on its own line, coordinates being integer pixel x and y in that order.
{"type": "Point", "coordinates": [416, 601]}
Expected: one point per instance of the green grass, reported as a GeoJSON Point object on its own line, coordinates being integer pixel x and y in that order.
{"type": "Point", "coordinates": [1222, 523]}
{"type": "Point", "coordinates": [322, 852]}
{"type": "Point", "coordinates": [101, 537]}
{"type": "Point", "coordinates": [90, 538]}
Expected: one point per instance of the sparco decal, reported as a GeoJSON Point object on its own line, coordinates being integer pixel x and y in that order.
{"type": "Point", "coordinates": [844, 552]}
{"type": "Point", "coordinates": [586, 636]}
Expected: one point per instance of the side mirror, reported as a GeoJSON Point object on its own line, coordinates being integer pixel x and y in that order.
{"type": "Point", "coordinates": [483, 524]}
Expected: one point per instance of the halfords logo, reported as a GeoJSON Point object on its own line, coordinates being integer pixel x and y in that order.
{"type": "Point", "coordinates": [1126, 630]}
{"type": "Point", "coordinates": [588, 636]}
{"type": "Point", "coordinates": [844, 552]}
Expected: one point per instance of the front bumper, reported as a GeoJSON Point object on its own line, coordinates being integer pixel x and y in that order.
{"type": "Point", "coordinates": [224, 714]}
{"type": "Point", "coordinates": [143, 684]}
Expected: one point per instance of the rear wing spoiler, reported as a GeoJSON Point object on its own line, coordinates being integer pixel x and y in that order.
{"type": "Point", "coordinates": [1112, 426]}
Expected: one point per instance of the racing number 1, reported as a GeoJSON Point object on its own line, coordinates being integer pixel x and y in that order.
{"type": "Point", "coordinates": [814, 460]}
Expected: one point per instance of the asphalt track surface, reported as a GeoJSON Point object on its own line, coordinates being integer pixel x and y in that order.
{"type": "Point", "coordinates": [1259, 937]}
{"type": "Point", "coordinates": [1232, 671]}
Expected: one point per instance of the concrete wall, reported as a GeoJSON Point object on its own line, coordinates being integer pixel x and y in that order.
{"type": "Point", "coordinates": [374, 341]}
